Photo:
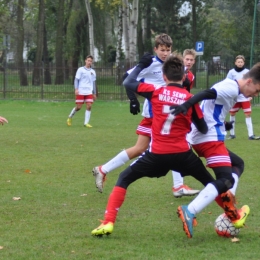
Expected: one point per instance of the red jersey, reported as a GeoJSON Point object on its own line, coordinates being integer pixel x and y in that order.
{"type": "Point", "coordinates": [191, 78]}
{"type": "Point", "coordinates": [169, 131]}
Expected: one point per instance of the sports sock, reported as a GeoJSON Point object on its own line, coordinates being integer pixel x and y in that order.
{"type": "Point", "coordinates": [115, 162]}
{"type": "Point", "coordinates": [204, 198]}
{"type": "Point", "coordinates": [249, 126]}
{"type": "Point", "coordinates": [234, 188]}
{"type": "Point", "coordinates": [73, 111]}
{"type": "Point", "coordinates": [87, 117]}
{"type": "Point", "coordinates": [177, 179]}
{"type": "Point", "coordinates": [232, 131]}
{"type": "Point", "coordinates": [114, 203]}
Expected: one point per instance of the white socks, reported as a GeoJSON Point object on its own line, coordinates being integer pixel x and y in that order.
{"type": "Point", "coordinates": [116, 162]}
{"type": "Point", "coordinates": [232, 131]}
{"type": "Point", "coordinates": [249, 126]}
{"type": "Point", "coordinates": [177, 179]}
{"type": "Point", "coordinates": [72, 113]}
{"type": "Point", "coordinates": [234, 188]}
{"type": "Point", "coordinates": [87, 117]}
{"type": "Point", "coordinates": [204, 198]}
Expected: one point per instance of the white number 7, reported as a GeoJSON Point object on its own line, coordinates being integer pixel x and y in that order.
{"type": "Point", "coordinates": [168, 122]}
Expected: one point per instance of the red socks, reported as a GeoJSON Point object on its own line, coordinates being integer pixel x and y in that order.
{"type": "Point", "coordinates": [115, 201]}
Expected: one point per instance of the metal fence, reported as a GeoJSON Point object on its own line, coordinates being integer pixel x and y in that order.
{"type": "Point", "coordinates": [109, 81]}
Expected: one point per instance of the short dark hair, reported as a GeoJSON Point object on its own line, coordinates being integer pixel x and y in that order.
{"type": "Point", "coordinates": [173, 67]}
{"type": "Point", "coordinates": [89, 56]}
{"type": "Point", "coordinates": [163, 39]}
{"type": "Point", "coordinates": [253, 73]}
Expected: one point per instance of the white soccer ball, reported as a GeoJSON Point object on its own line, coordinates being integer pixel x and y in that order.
{"type": "Point", "coordinates": [224, 227]}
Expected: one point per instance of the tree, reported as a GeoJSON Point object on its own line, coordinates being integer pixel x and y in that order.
{"type": "Point", "coordinates": [90, 28]}
{"type": "Point", "coordinates": [36, 78]}
{"type": "Point", "coordinates": [20, 44]}
{"type": "Point", "coordinates": [59, 44]}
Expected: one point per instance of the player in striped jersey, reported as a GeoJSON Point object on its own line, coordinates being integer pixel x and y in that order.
{"type": "Point", "coordinates": [227, 167]}
{"type": "Point", "coordinates": [169, 149]}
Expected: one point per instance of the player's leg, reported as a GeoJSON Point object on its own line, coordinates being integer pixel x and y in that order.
{"type": "Point", "coordinates": [120, 159]}
{"type": "Point", "coordinates": [79, 102]}
{"type": "Point", "coordinates": [89, 102]}
{"type": "Point", "coordinates": [142, 143]}
{"type": "Point", "coordinates": [246, 106]}
{"type": "Point", "coordinates": [232, 113]}
{"type": "Point", "coordinates": [144, 166]}
{"type": "Point", "coordinates": [179, 189]}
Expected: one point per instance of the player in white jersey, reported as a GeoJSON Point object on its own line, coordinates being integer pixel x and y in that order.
{"type": "Point", "coordinates": [85, 90]}
{"type": "Point", "coordinates": [242, 102]}
{"type": "Point", "coordinates": [217, 102]}
{"type": "Point", "coordinates": [153, 75]}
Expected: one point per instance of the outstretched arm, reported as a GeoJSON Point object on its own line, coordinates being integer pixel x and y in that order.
{"type": "Point", "coordinates": [206, 94]}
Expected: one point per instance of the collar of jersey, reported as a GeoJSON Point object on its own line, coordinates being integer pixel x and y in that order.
{"type": "Point", "coordinates": [86, 68]}
{"type": "Point", "coordinates": [158, 59]}
{"type": "Point", "coordinates": [175, 85]}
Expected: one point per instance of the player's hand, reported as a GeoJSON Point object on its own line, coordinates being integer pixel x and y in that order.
{"type": "Point", "coordinates": [134, 106]}
{"type": "Point", "coordinates": [76, 91]}
{"type": "Point", "coordinates": [176, 110]}
{"type": "Point", "coordinates": [228, 125]}
{"type": "Point", "coordinates": [94, 96]}
{"type": "Point", "coordinates": [146, 60]}
{"type": "Point", "coordinates": [3, 120]}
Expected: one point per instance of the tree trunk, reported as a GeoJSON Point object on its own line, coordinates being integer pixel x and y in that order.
{"type": "Point", "coordinates": [36, 80]}
{"type": "Point", "coordinates": [133, 31]}
{"type": "Point", "coordinates": [59, 80]}
{"type": "Point", "coordinates": [119, 70]}
{"type": "Point", "coordinates": [125, 16]}
{"type": "Point", "coordinates": [20, 44]}
{"type": "Point", "coordinates": [90, 28]}
{"type": "Point", "coordinates": [46, 61]}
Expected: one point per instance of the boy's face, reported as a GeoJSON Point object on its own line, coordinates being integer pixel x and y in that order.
{"type": "Point", "coordinates": [239, 63]}
{"type": "Point", "coordinates": [162, 52]}
{"type": "Point", "coordinates": [251, 89]}
{"type": "Point", "coordinates": [88, 62]}
{"type": "Point", "coordinates": [188, 61]}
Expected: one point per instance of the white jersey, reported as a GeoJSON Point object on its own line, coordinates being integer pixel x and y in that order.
{"type": "Point", "coordinates": [215, 111]}
{"type": "Point", "coordinates": [86, 77]}
{"type": "Point", "coordinates": [233, 74]}
{"type": "Point", "coordinates": [152, 75]}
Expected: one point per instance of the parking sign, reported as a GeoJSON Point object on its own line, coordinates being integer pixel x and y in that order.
{"type": "Point", "coordinates": [199, 48]}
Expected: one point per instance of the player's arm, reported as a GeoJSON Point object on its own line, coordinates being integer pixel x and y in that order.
{"type": "Point", "coordinates": [198, 119]}
{"type": "Point", "coordinates": [206, 94]}
{"type": "Point", "coordinates": [3, 120]}
{"type": "Point", "coordinates": [76, 86]}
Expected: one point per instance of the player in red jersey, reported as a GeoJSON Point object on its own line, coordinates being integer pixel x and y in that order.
{"type": "Point", "coordinates": [169, 149]}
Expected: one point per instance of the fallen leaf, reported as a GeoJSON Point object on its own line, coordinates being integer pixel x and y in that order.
{"type": "Point", "coordinates": [1, 247]}
{"type": "Point", "coordinates": [16, 198]}
{"type": "Point", "coordinates": [209, 212]}
{"type": "Point", "coordinates": [27, 171]}
{"type": "Point", "coordinates": [82, 195]}
{"type": "Point", "coordinates": [8, 181]}
{"type": "Point", "coordinates": [235, 239]}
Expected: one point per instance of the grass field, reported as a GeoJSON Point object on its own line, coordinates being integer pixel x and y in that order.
{"type": "Point", "coordinates": [49, 165]}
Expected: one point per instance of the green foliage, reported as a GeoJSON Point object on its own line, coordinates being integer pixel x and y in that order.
{"type": "Point", "coordinates": [49, 165]}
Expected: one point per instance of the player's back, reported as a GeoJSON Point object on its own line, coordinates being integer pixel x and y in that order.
{"type": "Point", "coordinates": [169, 131]}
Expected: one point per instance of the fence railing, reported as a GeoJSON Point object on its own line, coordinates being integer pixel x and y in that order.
{"type": "Point", "coordinates": [109, 82]}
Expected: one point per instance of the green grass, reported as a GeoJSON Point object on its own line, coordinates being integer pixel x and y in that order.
{"type": "Point", "coordinates": [53, 221]}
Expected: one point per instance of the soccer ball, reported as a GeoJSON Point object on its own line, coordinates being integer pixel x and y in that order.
{"type": "Point", "coordinates": [224, 226]}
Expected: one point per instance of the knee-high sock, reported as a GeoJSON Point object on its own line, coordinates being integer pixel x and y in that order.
{"type": "Point", "coordinates": [177, 179]}
{"type": "Point", "coordinates": [232, 131]}
{"type": "Point", "coordinates": [115, 162]}
{"type": "Point", "coordinates": [87, 117]}
{"type": "Point", "coordinates": [249, 126]}
{"type": "Point", "coordinates": [114, 203]}
{"type": "Point", "coordinates": [234, 188]}
{"type": "Point", "coordinates": [73, 111]}
{"type": "Point", "coordinates": [204, 198]}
